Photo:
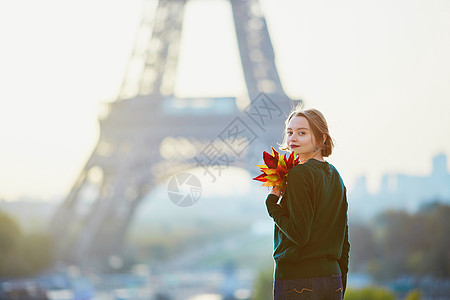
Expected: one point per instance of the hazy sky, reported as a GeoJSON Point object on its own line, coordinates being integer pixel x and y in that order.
{"type": "Point", "coordinates": [378, 69]}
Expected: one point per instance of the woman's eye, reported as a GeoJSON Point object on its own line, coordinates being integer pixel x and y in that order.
{"type": "Point", "coordinates": [289, 133]}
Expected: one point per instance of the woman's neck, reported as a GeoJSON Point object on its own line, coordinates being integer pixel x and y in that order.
{"type": "Point", "coordinates": [318, 156]}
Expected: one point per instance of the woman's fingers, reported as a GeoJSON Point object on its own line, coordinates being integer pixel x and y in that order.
{"type": "Point", "coordinates": [277, 191]}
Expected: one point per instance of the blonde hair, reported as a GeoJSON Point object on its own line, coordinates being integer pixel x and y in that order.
{"type": "Point", "coordinates": [318, 126]}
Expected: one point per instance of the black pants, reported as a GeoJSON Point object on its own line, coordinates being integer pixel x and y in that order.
{"type": "Point", "coordinates": [314, 288]}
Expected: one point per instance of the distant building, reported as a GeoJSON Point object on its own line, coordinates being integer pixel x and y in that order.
{"type": "Point", "coordinates": [401, 191]}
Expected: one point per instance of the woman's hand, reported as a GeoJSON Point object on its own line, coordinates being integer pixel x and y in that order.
{"type": "Point", "coordinates": [277, 191]}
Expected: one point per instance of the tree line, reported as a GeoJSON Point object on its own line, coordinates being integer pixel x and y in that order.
{"type": "Point", "coordinates": [398, 243]}
{"type": "Point", "coordinates": [22, 254]}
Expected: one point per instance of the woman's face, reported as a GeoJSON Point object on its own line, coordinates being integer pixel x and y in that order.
{"type": "Point", "coordinates": [300, 138]}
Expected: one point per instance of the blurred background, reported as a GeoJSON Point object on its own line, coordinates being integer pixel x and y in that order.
{"type": "Point", "coordinates": [90, 150]}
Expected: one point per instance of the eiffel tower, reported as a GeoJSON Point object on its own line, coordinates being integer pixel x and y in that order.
{"type": "Point", "coordinates": [147, 135]}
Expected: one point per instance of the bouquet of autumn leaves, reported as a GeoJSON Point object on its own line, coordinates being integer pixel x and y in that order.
{"type": "Point", "coordinates": [274, 172]}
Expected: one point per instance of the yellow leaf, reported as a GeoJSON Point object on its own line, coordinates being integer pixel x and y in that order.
{"type": "Point", "coordinates": [282, 162]}
{"type": "Point", "coordinates": [261, 166]}
{"type": "Point", "coordinates": [273, 177]}
{"type": "Point", "coordinates": [269, 171]}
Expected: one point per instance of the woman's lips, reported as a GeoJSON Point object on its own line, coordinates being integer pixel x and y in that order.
{"type": "Point", "coordinates": [293, 146]}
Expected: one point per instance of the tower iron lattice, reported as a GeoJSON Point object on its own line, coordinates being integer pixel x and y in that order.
{"type": "Point", "coordinates": [149, 135]}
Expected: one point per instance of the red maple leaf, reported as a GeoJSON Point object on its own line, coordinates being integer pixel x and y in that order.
{"type": "Point", "coordinates": [276, 168]}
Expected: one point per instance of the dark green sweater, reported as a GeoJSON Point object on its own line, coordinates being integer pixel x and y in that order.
{"type": "Point", "coordinates": [311, 232]}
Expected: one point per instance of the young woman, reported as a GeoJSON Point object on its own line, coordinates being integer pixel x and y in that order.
{"type": "Point", "coordinates": [311, 247]}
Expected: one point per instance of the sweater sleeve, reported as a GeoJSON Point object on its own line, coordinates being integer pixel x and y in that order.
{"type": "Point", "coordinates": [343, 260]}
{"type": "Point", "coordinates": [295, 221]}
